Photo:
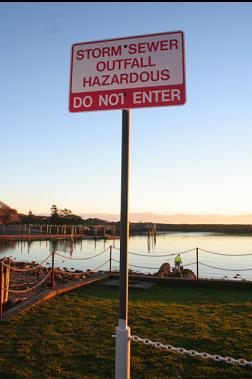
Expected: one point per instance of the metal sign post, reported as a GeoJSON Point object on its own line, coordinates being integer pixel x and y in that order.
{"type": "Point", "coordinates": [122, 361]}
{"type": "Point", "coordinates": [124, 73]}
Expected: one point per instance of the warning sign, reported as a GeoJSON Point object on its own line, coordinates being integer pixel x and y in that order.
{"type": "Point", "coordinates": [132, 72]}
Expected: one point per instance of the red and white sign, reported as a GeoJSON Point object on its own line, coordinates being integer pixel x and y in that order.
{"type": "Point", "coordinates": [132, 72]}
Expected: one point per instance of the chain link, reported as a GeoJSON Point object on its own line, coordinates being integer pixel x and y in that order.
{"type": "Point", "coordinates": [192, 353]}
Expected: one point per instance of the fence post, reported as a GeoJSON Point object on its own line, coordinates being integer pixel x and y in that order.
{"type": "Point", "coordinates": [53, 267]}
{"type": "Point", "coordinates": [110, 259]}
{"type": "Point", "coordinates": [197, 261]}
{"type": "Point", "coordinates": [1, 289]}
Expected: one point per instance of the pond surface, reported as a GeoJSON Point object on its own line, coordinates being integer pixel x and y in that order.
{"type": "Point", "coordinates": [145, 253]}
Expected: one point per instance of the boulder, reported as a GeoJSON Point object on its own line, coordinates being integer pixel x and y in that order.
{"type": "Point", "coordinates": [165, 270]}
{"type": "Point", "coordinates": [185, 273]}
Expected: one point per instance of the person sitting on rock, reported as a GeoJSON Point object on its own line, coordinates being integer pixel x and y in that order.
{"type": "Point", "coordinates": [177, 262]}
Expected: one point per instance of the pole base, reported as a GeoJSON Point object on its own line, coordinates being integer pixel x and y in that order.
{"type": "Point", "coordinates": [122, 360]}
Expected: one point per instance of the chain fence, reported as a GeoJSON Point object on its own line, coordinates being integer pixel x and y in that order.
{"type": "Point", "coordinates": [192, 353]}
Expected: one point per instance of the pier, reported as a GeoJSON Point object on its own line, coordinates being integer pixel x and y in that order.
{"type": "Point", "coordinates": [56, 232]}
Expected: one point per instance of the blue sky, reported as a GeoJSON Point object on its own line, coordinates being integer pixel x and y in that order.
{"type": "Point", "coordinates": [194, 158]}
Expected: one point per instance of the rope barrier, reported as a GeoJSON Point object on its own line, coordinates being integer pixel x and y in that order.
{"type": "Point", "coordinates": [81, 273]}
{"type": "Point", "coordinates": [151, 268]}
{"type": "Point", "coordinates": [228, 255]}
{"type": "Point", "coordinates": [38, 267]}
{"type": "Point", "coordinates": [189, 264]}
{"type": "Point", "coordinates": [82, 259]}
{"type": "Point", "coordinates": [225, 269]}
{"type": "Point", "coordinates": [31, 288]}
{"type": "Point", "coordinates": [157, 256]}
{"type": "Point", "coordinates": [186, 251]}
{"type": "Point", "coordinates": [23, 284]}
{"type": "Point", "coordinates": [69, 273]}
{"type": "Point", "coordinates": [97, 268]}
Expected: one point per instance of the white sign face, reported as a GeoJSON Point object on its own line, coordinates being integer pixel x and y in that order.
{"type": "Point", "coordinates": [131, 72]}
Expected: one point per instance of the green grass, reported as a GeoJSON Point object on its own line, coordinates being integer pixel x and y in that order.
{"type": "Point", "coordinates": [70, 336]}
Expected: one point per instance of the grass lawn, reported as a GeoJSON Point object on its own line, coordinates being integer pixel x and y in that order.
{"type": "Point", "coordinates": [70, 336]}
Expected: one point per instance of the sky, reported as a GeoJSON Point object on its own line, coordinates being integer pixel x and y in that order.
{"type": "Point", "coordinates": [194, 158]}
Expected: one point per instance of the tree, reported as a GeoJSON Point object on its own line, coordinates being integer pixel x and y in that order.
{"type": "Point", "coordinates": [54, 210]}
{"type": "Point", "coordinates": [65, 212]}
{"type": "Point", "coordinates": [54, 213]}
{"type": "Point", "coordinates": [8, 216]}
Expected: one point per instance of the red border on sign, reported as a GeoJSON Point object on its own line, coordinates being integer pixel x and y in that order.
{"type": "Point", "coordinates": [129, 91]}
{"type": "Point", "coordinates": [124, 99]}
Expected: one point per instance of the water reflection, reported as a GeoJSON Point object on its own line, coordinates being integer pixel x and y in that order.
{"type": "Point", "coordinates": [6, 245]}
{"type": "Point", "coordinates": [164, 244]}
{"type": "Point", "coordinates": [151, 243]}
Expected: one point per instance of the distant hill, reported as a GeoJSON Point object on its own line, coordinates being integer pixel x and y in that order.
{"type": "Point", "coordinates": [176, 218]}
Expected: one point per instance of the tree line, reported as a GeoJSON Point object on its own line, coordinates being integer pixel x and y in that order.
{"type": "Point", "coordinates": [10, 216]}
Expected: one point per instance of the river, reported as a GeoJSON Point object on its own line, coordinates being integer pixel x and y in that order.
{"type": "Point", "coordinates": [144, 253]}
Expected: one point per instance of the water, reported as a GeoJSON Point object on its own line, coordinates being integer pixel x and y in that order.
{"type": "Point", "coordinates": [166, 243]}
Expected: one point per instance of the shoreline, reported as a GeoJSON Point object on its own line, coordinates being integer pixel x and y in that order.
{"type": "Point", "coordinates": [42, 237]}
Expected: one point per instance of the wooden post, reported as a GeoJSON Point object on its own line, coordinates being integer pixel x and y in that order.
{"type": "Point", "coordinates": [197, 261]}
{"type": "Point", "coordinates": [110, 259]}
{"type": "Point", "coordinates": [6, 279]}
{"type": "Point", "coordinates": [1, 289]}
{"type": "Point", "coordinates": [53, 265]}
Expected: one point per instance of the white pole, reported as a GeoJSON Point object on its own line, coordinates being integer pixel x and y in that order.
{"type": "Point", "coordinates": [122, 364]}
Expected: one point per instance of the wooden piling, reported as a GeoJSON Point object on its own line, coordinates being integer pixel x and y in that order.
{"type": "Point", "coordinates": [52, 277]}
{"type": "Point", "coordinates": [1, 289]}
{"type": "Point", "coordinates": [110, 259]}
{"type": "Point", "coordinates": [197, 261]}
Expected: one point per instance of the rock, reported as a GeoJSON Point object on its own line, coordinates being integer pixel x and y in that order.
{"type": "Point", "coordinates": [188, 274]}
{"type": "Point", "coordinates": [165, 270]}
